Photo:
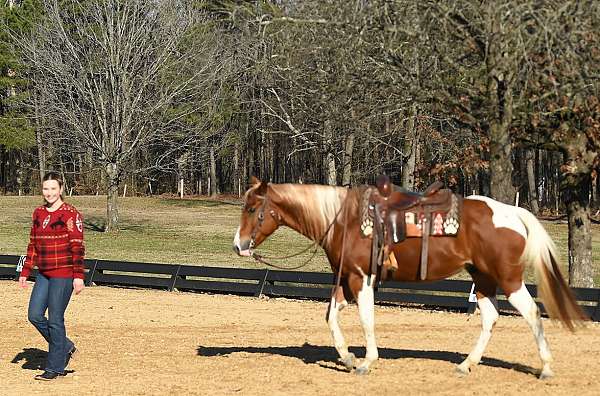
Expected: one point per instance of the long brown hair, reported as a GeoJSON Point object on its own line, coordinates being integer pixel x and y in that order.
{"type": "Point", "coordinates": [52, 175]}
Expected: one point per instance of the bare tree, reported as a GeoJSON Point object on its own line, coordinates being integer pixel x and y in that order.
{"type": "Point", "coordinates": [482, 47]}
{"type": "Point", "coordinates": [562, 88]}
{"type": "Point", "coordinates": [112, 68]}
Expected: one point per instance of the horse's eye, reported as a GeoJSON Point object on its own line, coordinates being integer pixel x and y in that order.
{"type": "Point", "coordinates": [251, 210]}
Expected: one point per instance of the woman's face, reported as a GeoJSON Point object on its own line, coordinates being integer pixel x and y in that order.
{"type": "Point", "coordinates": [51, 191]}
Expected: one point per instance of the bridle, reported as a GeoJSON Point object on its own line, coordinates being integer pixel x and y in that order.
{"type": "Point", "coordinates": [315, 244]}
{"type": "Point", "coordinates": [277, 217]}
{"type": "Point", "coordinates": [261, 219]}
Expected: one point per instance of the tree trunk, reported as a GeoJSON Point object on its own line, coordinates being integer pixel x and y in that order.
{"type": "Point", "coordinates": [329, 158]}
{"type": "Point", "coordinates": [112, 209]}
{"type": "Point", "coordinates": [19, 171]}
{"type": "Point", "coordinates": [213, 173]}
{"type": "Point", "coordinates": [531, 182]}
{"type": "Point", "coordinates": [3, 160]}
{"type": "Point", "coordinates": [409, 151]}
{"type": "Point", "coordinates": [40, 149]}
{"type": "Point", "coordinates": [500, 96]}
{"type": "Point", "coordinates": [270, 144]}
{"type": "Point", "coordinates": [501, 166]}
{"type": "Point", "coordinates": [576, 196]}
{"type": "Point", "coordinates": [236, 169]}
{"type": "Point", "coordinates": [348, 151]}
{"type": "Point", "coordinates": [250, 148]}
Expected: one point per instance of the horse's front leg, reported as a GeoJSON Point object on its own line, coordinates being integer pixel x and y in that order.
{"type": "Point", "coordinates": [337, 303]}
{"type": "Point", "coordinates": [366, 310]}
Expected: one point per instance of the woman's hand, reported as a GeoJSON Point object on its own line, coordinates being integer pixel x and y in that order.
{"type": "Point", "coordinates": [23, 282]}
{"type": "Point", "coordinates": [78, 285]}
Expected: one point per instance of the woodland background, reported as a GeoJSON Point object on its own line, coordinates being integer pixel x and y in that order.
{"type": "Point", "coordinates": [496, 98]}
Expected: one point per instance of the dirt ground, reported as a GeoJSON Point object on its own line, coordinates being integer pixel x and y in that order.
{"type": "Point", "coordinates": [148, 342]}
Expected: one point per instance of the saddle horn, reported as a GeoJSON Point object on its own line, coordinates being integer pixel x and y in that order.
{"type": "Point", "coordinates": [384, 185]}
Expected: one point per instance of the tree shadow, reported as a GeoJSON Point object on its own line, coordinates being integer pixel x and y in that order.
{"type": "Point", "coordinates": [95, 224]}
{"type": "Point", "coordinates": [317, 354]}
{"type": "Point", "coordinates": [34, 359]}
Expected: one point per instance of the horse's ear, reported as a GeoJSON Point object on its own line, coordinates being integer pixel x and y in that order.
{"type": "Point", "coordinates": [254, 181]}
{"type": "Point", "coordinates": [262, 186]}
{"type": "Point", "coordinates": [262, 189]}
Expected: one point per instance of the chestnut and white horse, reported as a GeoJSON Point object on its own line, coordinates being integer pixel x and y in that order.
{"type": "Point", "coordinates": [494, 244]}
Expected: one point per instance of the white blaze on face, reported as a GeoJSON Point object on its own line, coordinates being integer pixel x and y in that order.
{"type": "Point", "coordinates": [503, 216]}
{"type": "Point", "coordinates": [236, 243]}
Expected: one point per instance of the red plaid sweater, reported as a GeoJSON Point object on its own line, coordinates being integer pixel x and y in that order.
{"type": "Point", "coordinates": [56, 243]}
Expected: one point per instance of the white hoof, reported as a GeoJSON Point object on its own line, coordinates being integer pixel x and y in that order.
{"type": "Point", "coordinates": [348, 361]}
{"type": "Point", "coordinates": [546, 373]}
{"type": "Point", "coordinates": [463, 368]}
{"type": "Point", "coordinates": [362, 370]}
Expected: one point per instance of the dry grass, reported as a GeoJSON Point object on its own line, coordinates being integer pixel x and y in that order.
{"type": "Point", "coordinates": [186, 231]}
{"type": "Point", "coordinates": [158, 230]}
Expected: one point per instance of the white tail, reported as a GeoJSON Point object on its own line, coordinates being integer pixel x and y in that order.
{"type": "Point", "coordinates": [540, 252]}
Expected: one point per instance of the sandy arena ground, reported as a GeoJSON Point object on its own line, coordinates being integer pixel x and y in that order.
{"type": "Point", "coordinates": [148, 342]}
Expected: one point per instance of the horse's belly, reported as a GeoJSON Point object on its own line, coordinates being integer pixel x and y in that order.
{"type": "Point", "coordinates": [443, 260]}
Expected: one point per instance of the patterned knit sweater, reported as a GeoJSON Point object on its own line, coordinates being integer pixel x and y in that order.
{"type": "Point", "coordinates": [56, 243]}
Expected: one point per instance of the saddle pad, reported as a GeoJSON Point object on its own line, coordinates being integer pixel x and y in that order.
{"type": "Point", "coordinates": [443, 224]}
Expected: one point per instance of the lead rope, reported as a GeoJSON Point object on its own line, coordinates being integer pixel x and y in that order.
{"type": "Point", "coordinates": [339, 274]}
{"type": "Point", "coordinates": [316, 244]}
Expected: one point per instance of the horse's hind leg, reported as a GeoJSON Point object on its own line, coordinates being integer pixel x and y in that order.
{"type": "Point", "coordinates": [524, 303]}
{"type": "Point", "coordinates": [366, 310]}
{"type": "Point", "coordinates": [337, 303]}
{"type": "Point", "coordinates": [488, 307]}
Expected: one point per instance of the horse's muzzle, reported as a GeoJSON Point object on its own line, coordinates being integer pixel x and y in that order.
{"type": "Point", "coordinates": [241, 248]}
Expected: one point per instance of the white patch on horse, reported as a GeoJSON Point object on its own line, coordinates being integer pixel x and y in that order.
{"type": "Point", "coordinates": [488, 308]}
{"type": "Point", "coordinates": [503, 216]}
{"type": "Point", "coordinates": [524, 303]}
{"type": "Point", "coordinates": [324, 200]}
{"type": "Point", "coordinates": [236, 243]}
{"type": "Point", "coordinates": [236, 238]}
{"type": "Point", "coordinates": [338, 338]}
{"type": "Point", "coordinates": [366, 311]}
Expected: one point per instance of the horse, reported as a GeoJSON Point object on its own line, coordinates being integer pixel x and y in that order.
{"type": "Point", "coordinates": [495, 243]}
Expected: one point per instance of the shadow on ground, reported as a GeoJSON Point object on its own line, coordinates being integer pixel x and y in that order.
{"type": "Point", "coordinates": [34, 359]}
{"type": "Point", "coordinates": [95, 224]}
{"type": "Point", "coordinates": [317, 354]}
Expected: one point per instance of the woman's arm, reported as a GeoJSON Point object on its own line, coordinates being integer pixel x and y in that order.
{"type": "Point", "coordinates": [75, 228]}
{"type": "Point", "coordinates": [31, 258]}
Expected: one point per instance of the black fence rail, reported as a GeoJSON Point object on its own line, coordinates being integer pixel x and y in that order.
{"type": "Point", "coordinates": [446, 294]}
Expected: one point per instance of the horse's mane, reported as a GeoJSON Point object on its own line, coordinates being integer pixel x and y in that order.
{"type": "Point", "coordinates": [314, 206]}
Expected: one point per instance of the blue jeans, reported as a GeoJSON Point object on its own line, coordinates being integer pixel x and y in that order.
{"type": "Point", "coordinates": [52, 294]}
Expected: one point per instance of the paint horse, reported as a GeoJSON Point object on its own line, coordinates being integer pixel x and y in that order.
{"type": "Point", "coordinates": [495, 243]}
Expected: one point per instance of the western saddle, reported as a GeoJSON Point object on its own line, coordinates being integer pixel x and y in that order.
{"type": "Point", "coordinates": [389, 206]}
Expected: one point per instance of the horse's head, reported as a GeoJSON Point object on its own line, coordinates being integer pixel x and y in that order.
{"type": "Point", "coordinates": [258, 220]}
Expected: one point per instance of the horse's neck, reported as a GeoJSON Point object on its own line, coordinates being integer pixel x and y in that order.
{"type": "Point", "coordinates": [309, 209]}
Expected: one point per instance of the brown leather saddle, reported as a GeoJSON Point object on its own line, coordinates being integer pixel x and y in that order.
{"type": "Point", "coordinates": [399, 213]}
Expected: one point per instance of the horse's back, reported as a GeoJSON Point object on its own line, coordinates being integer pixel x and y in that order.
{"type": "Point", "coordinates": [485, 238]}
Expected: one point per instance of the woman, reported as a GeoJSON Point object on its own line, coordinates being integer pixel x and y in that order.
{"type": "Point", "coordinates": [56, 248]}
